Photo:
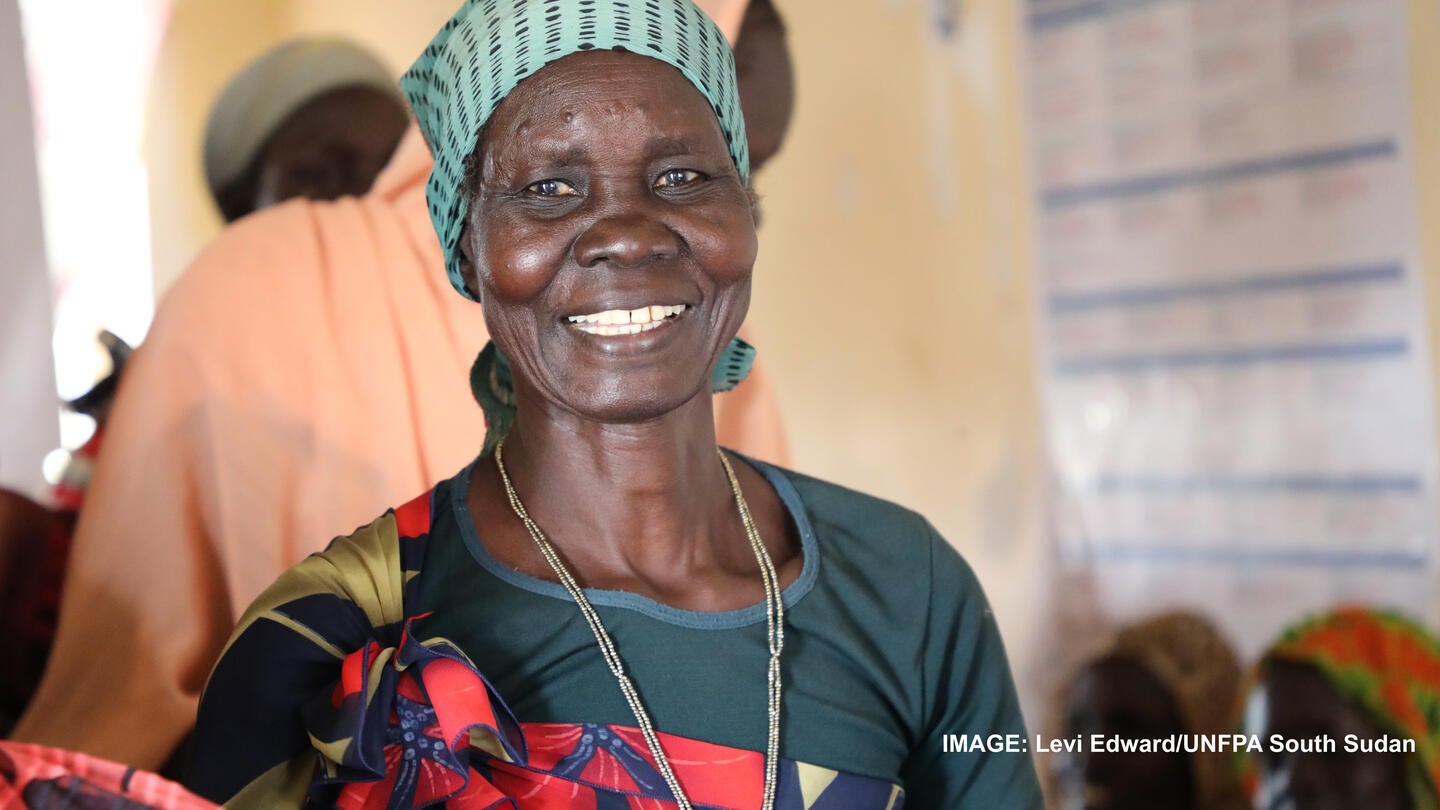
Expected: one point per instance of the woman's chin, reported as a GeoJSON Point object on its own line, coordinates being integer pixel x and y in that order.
{"type": "Point", "coordinates": [635, 398]}
{"type": "Point", "coordinates": [634, 384]}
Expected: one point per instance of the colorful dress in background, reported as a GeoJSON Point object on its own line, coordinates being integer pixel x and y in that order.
{"type": "Point", "coordinates": [37, 778]}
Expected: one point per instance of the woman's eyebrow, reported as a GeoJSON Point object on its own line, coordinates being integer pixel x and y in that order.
{"type": "Point", "coordinates": [667, 146]}
{"type": "Point", "coordinates": [554, 154]}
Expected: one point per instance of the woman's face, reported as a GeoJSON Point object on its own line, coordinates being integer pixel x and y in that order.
{"type": "Point", "coordinates": [611, 238]}
{"type": "Point", "coordinates": [1115, 697]}
{"type": "Point", "coordinates": [1297, 701]}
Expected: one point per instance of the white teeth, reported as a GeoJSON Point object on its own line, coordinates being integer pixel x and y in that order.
{"type": "Point", "coordinates": [626, 322]}
{"type": "Point", "coordinates": [626, 329]}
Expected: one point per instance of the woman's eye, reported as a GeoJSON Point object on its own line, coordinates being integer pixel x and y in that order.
{"type": "Point", "coordinates": [675, 178]}
{"type": "Point", "coordinates": [551, 188]}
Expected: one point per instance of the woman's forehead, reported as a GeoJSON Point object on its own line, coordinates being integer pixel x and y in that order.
{"type": "Point", "coordinates": [590, 95]}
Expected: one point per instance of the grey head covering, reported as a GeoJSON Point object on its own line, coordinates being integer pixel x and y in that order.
{"type": "Point", "coordinates": [271, 88]}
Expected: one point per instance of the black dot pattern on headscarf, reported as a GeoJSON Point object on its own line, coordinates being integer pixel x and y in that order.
{"type": "Point", "coordinates": [653, 31]}
{"type": "Point", "coordinates": [490, 46]}
{"type": "Point", "coordinates": [622, 23]}
{"type": "Point", "coordinates": [734, 366]}
{"type": "Point", "coordinates": [552, 31]}
{"type": "Point", "coordinates": [682, 44]}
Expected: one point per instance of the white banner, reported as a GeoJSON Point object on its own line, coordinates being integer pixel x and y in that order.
{"type": "Point", "coordinates": [1237, 383]}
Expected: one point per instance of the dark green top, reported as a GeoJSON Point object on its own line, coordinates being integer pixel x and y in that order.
{"type": "Point", "coordinates": [889, 645]}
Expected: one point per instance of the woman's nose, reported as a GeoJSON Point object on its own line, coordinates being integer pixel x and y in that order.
{"type": "Point", "coordinates": [626, 240]}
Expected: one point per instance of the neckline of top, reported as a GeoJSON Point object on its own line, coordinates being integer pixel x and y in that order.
{"type": "Point", "coordinates": [459, 486]}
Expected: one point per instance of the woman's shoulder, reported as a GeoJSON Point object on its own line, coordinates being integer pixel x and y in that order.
{"type": "Point", "coordinates": [908, 586]}
{"type": "Point", "coordinates": [369, 569]}
{"type": "Point", "coordinates": [874, 532]}
{"type": "Point", "coordinates": [378, 544]}
{"type": "Point", "coordinates": [835, 503]}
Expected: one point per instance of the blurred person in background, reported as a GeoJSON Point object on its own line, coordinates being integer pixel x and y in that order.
{"type": "Point", "coordinates": [1367, 675]}
{"type": "Point", "coordinates": [307, 371]}
{"type": "Point", "coordinates": [313, 118]}
{"type": "Point", "coordinates": [35, 545]}
{"type": "Point", "coordinates": [28, 531]}
{"type": "Point", "coordinates": [1171, 674]}
{"type": "Point", "coordinates": [766, 79]}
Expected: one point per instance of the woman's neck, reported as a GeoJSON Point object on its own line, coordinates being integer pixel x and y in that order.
{"type": "Point", "coordinates": [644, 502]}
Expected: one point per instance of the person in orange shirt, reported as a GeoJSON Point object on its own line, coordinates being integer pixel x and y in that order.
{"type": "Point", "coordinates": [308, 370]}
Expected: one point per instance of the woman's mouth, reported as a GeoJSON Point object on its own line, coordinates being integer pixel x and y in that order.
{"type": "Point", "coordinates": [627, 321]}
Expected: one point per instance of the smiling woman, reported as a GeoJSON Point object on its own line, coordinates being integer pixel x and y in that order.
{"type": "Point", "coordinates": [606, 191]}
{"type": "Point", "coordinates": [608, 610]}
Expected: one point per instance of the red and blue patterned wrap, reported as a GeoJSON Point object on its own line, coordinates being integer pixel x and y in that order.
{"type": "Point", "coordinates": [410, 723]}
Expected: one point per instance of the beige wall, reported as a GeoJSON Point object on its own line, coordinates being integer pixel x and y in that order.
{"type": "Point", "coordinates": [893, 293]}
{"type": "Point", "coordinates": [893, 289]}
{"type": "Point", "coordinates": [1424, 42]}
{"type": "Point", "coordinates": [205, 42]}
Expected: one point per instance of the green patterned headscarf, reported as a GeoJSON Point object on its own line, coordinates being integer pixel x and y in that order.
{"type": "Point", "coordinates": [1389, 667]}
{"type": "Point", "coordinates": [490, 46]}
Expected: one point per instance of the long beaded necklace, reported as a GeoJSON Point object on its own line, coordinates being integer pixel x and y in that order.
{"type": "Point", "coordinates": [774, 623]}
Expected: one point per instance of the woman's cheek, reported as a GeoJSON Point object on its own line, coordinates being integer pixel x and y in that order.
{"type": "Point", "coordinates": [730, 245]}
{"type": "Point", "coordinates": [521, 262]}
